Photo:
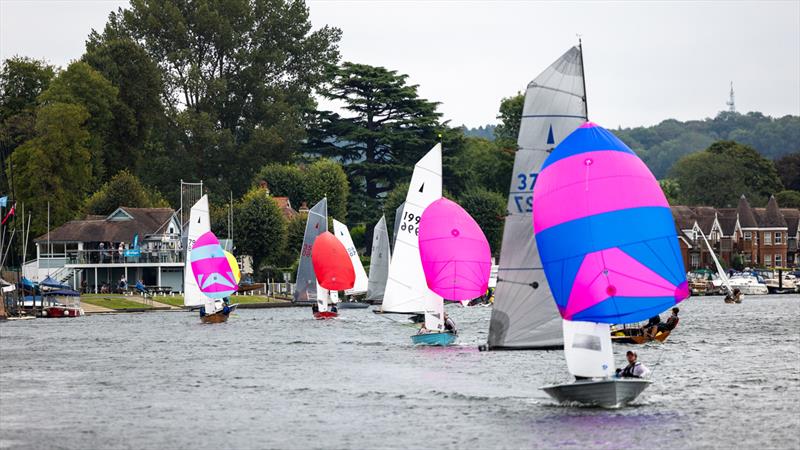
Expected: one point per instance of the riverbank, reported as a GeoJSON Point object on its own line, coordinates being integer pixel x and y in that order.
{"type": "Point", "coordinates": [117, 303]}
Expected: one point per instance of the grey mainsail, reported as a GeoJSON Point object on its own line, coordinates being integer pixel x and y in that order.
{"type": "Point", "coordinates": [379, 262]}
{"type": "Point", "coordinates": [524, 315]}
{"type": "Point", "coordinates": [398, 217]}
{"type": "Point", "coordinates": [305, 290]}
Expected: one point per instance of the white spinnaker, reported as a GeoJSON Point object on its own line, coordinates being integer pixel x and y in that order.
{"type": "Point", "coordinates": [406, 289]}
{"type": "Point", "coordinates": [587, 349]}
{"type": "Point", "coordinates": [305, 289]}
{"type": "Point", "coordinates": [342, 233]}
{"type": "Point", "coordinates": [379, 261]}
{"type": "Point", "coordinates": [722, 275]}
{"type": "Point", "coordinates": [199, 224]}
{"type": "Point", "coordinates": [524, 315]}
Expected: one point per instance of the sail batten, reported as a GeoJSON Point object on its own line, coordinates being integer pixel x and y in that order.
{"type": "Point", "coordinates": [524, 316]}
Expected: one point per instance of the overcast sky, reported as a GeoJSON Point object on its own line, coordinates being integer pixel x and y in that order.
{"type": "Point", "coordinates": [645, 61]}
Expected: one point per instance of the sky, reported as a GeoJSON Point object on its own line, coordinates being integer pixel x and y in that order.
{"type": "Point", "coordinates": [644, 61]}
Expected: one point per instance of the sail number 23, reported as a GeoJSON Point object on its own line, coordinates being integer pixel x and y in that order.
{"type": "Point", "coordinates": [410, 223]}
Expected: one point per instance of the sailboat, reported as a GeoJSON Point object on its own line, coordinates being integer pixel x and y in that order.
{"type": "Point", "coordinates": [523, 315]}
{"type": "Point", "coordinates": [379, 262]}
{"type": "Point", "coordinates": [305, 290]}
{"type": "Point", "coordinates": [360, 285]}
{"type": "Point", "coordinates": [600, 269]}
{"type": "Point", "coordinates": [217, 275]}
{"type": "Point", "coordinates": [334, 273]}
{"type": "Point", "coordinates": [730, 297]}
{"type": "Point", "coordinates": [456, 260]}
{"type": "Point", "coordinates": [406, 288]}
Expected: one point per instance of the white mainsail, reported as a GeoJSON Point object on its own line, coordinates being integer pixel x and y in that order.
{"type": "Point", "coordinates": [406, 289]}
{"type": "Point", "coordinates": [524, 315]}
{"type": "Point", "coordinates": [398, 217]}
{"type": "Point", "coordinates": [342, 233]}
{"type": "Point", "coordinates": [305, 289]}
{"type": "Point", "coordinates": [720, 271]}
{"type": "Point", "coordinates": [379, 262]}
{"type": "Point", "coordinates": [199, 224]}
{"type": "Point", "coordinates": [587, 349]}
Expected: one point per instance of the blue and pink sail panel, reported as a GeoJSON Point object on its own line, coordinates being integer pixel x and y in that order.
{"type": "Point", "coordinates": [605, 232]}
{"type": "Point", "coordinates": [212, 268]}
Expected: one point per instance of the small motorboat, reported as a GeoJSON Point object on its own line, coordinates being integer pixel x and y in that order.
{"type": "Point", "coordinates": [441, 339]}
{"type": "Point", "coordinates": [605, 393]}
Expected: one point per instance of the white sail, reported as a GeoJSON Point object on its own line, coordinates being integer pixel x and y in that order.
{"type": "Point", "coordinates": [305, 289]}
{"type": "Point", "coordinates": [199, 224]}
{"type": "Point", "coordinates": [398, 217]}
{"type": "Point", "coordinates": [720, 271]}
{"type": "Point", "coordinates": [434, 317]}
{"type": "Point", "coordinates": [524, 315]}
{"type": "Point", "coordinates": [379, 262]}
{"type": "Point", "coordinates": [342, 233]}
{"type": "Point", "coordinates": [406, 289]}
{"type": "Point", "coordinates": [587, 349]}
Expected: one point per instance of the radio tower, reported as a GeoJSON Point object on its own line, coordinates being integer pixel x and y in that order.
{"type": "Point", "coordinates": [731, 103]}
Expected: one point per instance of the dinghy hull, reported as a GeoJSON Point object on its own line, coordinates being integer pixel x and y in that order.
{"type": "Point", "coordinates": [635, 336]}
{"type": "Point", "coordinates": [219, 316]}
{"type": "Point", "coordinates": [440, 339]}
{"type": "Point", "coordinates": [352, 305]}
{"type": "Point", "coordinates": [612, 393]}
{"type": "Point", "coordinates": [323, 315]}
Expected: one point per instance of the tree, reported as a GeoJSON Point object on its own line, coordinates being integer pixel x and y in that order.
{"type": "Point", "coordinates": [788, 199]}
{"type": "Point", "coordinates": [385, 130]}
{"type": "Point", "coordinates": [123, 189]}
{"type": "Point", "coordinates": [22, 80]}
{"type": "Point", "coordinates": [393, 201]}
{"type": "Point", "coordinates": [488, 209]}
{"type": "Point", "coordinates": [260, 228]}
{"type": "Point", "coordinates": [82, 85]}
{"type": "Point", "coordinates": [54, 167]}
{"type": "Point", "coordinates": [284, 180]}
{"type": "Point", "coordinates": [510, 116]}
{"type": "Point", "coordinates": [325, 178]}
{"type": "Point", "coordinates": [789, 170]}
{"type": "Point", "coordinates": [724, 171]}
{"type": "Point", "coordinates": [243, 68]}
{"type": "Point", "coordinates": [483, 163]}
{"type": "Point", "coordinates": [295, 231]}
{"type": "Point", "coordinates": [671, 189]}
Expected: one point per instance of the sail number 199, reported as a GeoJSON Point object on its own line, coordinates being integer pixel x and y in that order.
{"type": "Point", "coordinates": [410, 223]}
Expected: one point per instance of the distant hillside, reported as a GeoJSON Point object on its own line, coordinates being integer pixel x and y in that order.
{"type": "Point", "coordinates": [663, 144]}
{"type": "Point", "coordinates": [486, 132]}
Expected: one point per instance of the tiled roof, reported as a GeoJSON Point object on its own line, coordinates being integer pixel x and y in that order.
{"type": "Point", "coordinates": [772, 217]}
{"type": "Point", "coordinates": [286, 207]}
{"type": "Point", "coordinates": [727, 220]}
{"type": "Point", "coordinates": [684, 217]}
{"type": "Point", "coordinates": [792, 217]}
{"type": "Point", "coordinates": [705, 218]}
{"type": "Point", "coordinates": [145, 221]}
{"type": "Point", "coordinates": [746, 217]}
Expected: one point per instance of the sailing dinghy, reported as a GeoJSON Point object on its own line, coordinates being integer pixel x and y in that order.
{"type": "Point", "coordinates": [456, 260]}
{"type": "Point", "coordinates": [379, 262]}
{"type": "Point", "coordinates": [305, 287]}
{"type": "Point", "coordinates": [360, 285]}
{"type": "Point", "coordinates": [600, 270]}
{"type": "Point", "coordinates": [523, 315]}
{"type": "Point", "coordinates": [334, 273]}
{"type": "Point", "coordinates": [217, 276]}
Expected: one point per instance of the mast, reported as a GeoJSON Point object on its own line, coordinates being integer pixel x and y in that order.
{"type": "Point", "coordinates": [583, 78]}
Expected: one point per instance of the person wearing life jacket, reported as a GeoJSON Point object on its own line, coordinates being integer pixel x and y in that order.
{"type": "Point", "coordinates": [672, 322]}
{"type": "Point", "coordinates": [634, 369]}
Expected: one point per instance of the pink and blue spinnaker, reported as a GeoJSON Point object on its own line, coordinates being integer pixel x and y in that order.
{"type": "Point", "coordinates": [211, 267]}
{"type": "Point", "coordinates": [454, 251]}
{"type": "Point", "coordinates": [605, 232]}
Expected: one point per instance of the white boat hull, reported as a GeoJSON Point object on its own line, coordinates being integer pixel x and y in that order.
{"type": "Point", "coordinates": [611, 393]}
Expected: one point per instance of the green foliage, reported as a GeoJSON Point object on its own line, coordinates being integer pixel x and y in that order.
{"type": "Point", "coordinates": [82, 85]}
{"type": "Point", "coordinates": [22, 80]}
{"type": "Point", "coordinates": [722, 173]}
{"type": "Point", "coordinates": [123, 189]}
{"type": "Point", "coordinates": [488, 209]}
{"type": "Point", "coordinates": [510, 116]}
{"type": "Point", "coordinates": [483, 163]}
{"type": "Point", "coordinates": [259, 228]}
{"type": "Point", "coordinates": [671, 189]}
{"type": "Point", "coordinates": [325, 178]}
{"type": "Point", "coordinates": [789, 170]}
{"type": "Point", "coordinates": [359, 234]}
{"type": "Point", "coordinates": [788, 199]}
{"type": "Point", "coordinates": [393, 200]}
{"type": "Point", "coordinates": [55, 165]}
{"type": "Point", "coordinates": [295, 229]}
{"type": "Point", "coordinates": [385, 130]}
{"type": "Point", "coordinates": [284, 180]}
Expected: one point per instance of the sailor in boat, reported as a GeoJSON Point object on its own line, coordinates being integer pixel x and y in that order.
{"type": "Point", "coordinates": [734, 297]}
{"type": "Point", "coordinates": [449, 324]}
{"type": "Point", "coordinates": [669, 325]}
{"type": "Point", "coordinates": [651, 324]}
{"type": "Point", "coordinates": [634, 369]}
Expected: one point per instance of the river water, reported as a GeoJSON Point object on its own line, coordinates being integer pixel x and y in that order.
{"type": "Point", "coordinates": [729, 376]}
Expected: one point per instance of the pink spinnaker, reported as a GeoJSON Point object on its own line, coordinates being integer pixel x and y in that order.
{"type": "Point", "coordinates": [211, 267]}
{"type": "Point", "coordinates": [455, 254]}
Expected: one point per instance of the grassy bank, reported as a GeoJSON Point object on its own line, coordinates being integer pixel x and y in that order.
{"type": "Point", "coordinates": [112, 301]}
{"type": "Point", "coordinates": [177, 300]}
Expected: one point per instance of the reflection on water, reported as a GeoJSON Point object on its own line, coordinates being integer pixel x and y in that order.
{"type": "Point", "coordinates": [729, 376]}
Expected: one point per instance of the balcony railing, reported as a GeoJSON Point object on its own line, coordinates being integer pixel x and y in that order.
{"type": "Point", "coordinates": [115, 257]}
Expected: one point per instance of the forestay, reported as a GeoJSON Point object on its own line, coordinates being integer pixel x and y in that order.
{"type": "Point", "coordinates": [379, 262]}
{"type": "Point", "coordinates": [199, 224]}
{"type": "Point", "coordinates": [524, 316]}
{"type": "Point", "coordinates": [406, 289]}
{"type": "Point", "coordinates": [342, 233]}
{"type": "Point", "coordinates": [306, 282]}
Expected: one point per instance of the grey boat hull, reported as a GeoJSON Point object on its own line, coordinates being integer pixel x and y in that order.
{"type": "Point", "coordinates": [352, 305]}
{"type": "Point", "coordinates": [611, 393]}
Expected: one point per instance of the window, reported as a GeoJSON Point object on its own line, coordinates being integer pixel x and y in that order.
{"type": "Point", "coordinates": [748, 236]}
{"type": "Point", "coordinates": [778, 238]}
{"type": "Point", "coordinates": [695, 260]}
{"type": "Point", "coordinates": [778, 260]}
{"type": "Point", "coordinates": [747, 258]}
{"type": "Point", "coordinates": [767, 260]}
{"type": "Point", "coordinates": [767, 238]}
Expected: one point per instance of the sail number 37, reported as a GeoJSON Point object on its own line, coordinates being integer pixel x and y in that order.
{"type": "Point", "coordinates": [524, 203]}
